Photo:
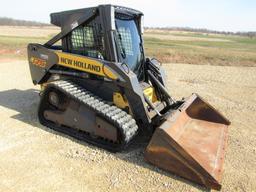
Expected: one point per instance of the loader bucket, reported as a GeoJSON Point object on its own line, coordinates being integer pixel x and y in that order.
{"type": "Point", "coordinates": [191, 143]}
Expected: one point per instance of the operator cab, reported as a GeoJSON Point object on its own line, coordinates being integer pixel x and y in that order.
{"type": "Point", "coordinates": [117, 39]}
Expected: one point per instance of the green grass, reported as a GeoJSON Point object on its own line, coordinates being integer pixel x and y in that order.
{"type": "Point", "coordinates": [233, 50]}
{"type": "Point", "coordinates": [16, 47]}
{"type": "Point", "coordinates": [18, 41]}
{"type": "Point", "coordinates": [200, 49]}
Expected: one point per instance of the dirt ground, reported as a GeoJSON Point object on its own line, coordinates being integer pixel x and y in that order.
{"type": "Point", "coordinates": [34, 158]}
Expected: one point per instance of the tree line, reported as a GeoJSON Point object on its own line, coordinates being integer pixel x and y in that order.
{"type": "Point", "coordinates": [250, 34]}
{"type": "Point", "coordinates": [4, 21]}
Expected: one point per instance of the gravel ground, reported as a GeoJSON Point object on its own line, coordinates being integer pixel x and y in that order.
{"type": "Point", "coordinates": [34, 158]}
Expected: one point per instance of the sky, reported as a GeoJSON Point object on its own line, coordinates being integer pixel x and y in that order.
{"type": "Point", "coordinates": [221, 15]}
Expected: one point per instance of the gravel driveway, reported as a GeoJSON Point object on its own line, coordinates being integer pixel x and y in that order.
{"type": "Point", "coordinates": [35, 158]}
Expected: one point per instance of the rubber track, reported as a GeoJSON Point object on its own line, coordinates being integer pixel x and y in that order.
{"type": "Point", "coordinates": [120, 119]}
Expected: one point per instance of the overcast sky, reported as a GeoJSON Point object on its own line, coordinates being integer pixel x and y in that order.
{"type": "Point", "coordinates": [227, 15]}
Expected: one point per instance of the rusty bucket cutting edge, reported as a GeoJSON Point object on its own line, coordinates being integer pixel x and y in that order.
{"type": "Point", "coordinates": [191, 143]}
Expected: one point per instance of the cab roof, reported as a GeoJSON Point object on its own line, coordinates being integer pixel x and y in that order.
{"type": "Point", "coordinates": [60, 18]}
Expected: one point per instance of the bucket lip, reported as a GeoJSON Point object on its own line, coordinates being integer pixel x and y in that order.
{"type": "Point", "coordinates": [192, 98]}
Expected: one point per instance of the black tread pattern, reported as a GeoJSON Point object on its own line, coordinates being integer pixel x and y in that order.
{"type": "Point", "coordinates": [120, 119]}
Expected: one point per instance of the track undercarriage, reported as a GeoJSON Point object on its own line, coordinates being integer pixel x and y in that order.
{"type": "Point", "coordinates": [69, 108]}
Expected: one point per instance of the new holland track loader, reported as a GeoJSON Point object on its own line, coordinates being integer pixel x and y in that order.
{"type": "Point", "coordinates": [98, 86]}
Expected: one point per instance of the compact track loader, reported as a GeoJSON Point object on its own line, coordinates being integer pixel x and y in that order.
{"type": "Point", "coordinates": [98, 86]}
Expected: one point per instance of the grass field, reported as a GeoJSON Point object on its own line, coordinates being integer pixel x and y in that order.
{"type": "Point", "coordinates": [14, 40]}
{"type": "Point", "coordinates": [167, 46]}
{"type": "Point", "coordinates": [199, 48]}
